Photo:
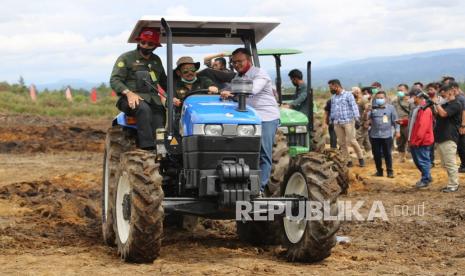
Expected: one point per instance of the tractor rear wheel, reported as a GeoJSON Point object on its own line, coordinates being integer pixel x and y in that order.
{"type": "Point", "coordinates": [318, 136]}
{"type": "Point", "coordinates": [116, 142]}
{"type": "Point", "coordinates": [280, 159]}
{"type": "Point", "coordinates": [138, 210]}
{"type": "Point", "coordinates": [311, 176]}
{"type": "Point", "coordinates": [340, 166]}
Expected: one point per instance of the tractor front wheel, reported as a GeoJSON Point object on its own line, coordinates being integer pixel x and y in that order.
{"type": "Point", "coordinates": [138, 210]}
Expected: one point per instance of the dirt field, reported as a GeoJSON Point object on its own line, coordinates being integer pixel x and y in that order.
{"type": "Point", "coordinates": [50, 173]}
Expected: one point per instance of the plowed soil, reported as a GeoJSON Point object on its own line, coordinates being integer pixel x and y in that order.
{"type": "Point", "coordinates": [50, 177]}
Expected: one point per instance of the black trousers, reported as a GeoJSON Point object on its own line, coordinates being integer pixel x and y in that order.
{"type": "Point", "coordinates": [382, 147]}
{"type": "Point", "coordinates": [149, 117]}
{"type": "Point", "coordinates": [332, 136]}
{"type": "Point", "coordinates": [461, 150]}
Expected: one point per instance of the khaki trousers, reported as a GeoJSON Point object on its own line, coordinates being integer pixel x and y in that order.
{"type": "Point", "coordinates": [346, 137]}
{"type": "Point", "coordinates": [447, 151]}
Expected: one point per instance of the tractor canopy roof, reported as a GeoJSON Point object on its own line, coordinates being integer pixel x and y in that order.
{"type": "Point", "coordinates": [195, 30]}
{"type": "Point", "coordinates": [271, 52]}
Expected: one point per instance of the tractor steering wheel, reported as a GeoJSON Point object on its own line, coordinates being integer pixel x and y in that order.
{"type": "Point", "coordinates": [195, 92]}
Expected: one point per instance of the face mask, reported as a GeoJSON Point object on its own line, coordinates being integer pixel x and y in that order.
{"type": "Point", "coordinates": [146, 52]}
{"type": "Point", "coordinates": [431, 94]}
{"type": "Point", "coordinates": [442, 101]}
{"type": "Point", "coordinates": [366, 97]}
{"type": "Point", "coordinates": [189, 81]}
{"type": "Point", "coordinates": [380, 101]}
{"type": "Point", "coordinates": [374, 90]}
{"type": "Point", "coordinates": [411, 101]}
{"type": "Point", "coordinates": [400, 94]}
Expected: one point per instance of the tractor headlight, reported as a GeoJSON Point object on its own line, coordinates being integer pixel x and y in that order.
{"type": "Point", "coordinates": [213, 130]}
{"type": "Point", "coordinates": [283, 129]}
{"type": "Point", "coordinates": [245, 130]}
{"type": "Point", "coordinates": [300, 129]}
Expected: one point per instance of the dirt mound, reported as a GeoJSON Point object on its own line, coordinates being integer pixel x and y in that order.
{"type": "Point", "coordinates": [30, 138]}
{"type": "Point", "coordinates": [55, 215]}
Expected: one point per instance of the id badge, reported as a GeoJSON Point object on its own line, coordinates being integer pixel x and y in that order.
{"type": "Point", "coordinates": [385, 119]}
{"type": "Point", "coordinates": [153, 76]}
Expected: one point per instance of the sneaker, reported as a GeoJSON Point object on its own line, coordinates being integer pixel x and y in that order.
{"type": "Point", "coordinates": [420, 184]}
{"type": "Point", "coordinates": [462, 170]}
{"type": "Point", "coordinates": [390, 174]}
{"type": "Point", "coordinates": [449, 189]}
{"type": "Point", "coordinates": [361, 163]}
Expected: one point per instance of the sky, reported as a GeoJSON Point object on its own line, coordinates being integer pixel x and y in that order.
{"type": "Point", "coordinates": [51, 40]}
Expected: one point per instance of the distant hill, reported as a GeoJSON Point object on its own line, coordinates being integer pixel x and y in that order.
{"type": "Point", "coordinates": [390, 71]}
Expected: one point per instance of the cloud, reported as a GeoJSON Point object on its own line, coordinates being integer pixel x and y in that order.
{"type": "Point", "coordinates": [50, 40]}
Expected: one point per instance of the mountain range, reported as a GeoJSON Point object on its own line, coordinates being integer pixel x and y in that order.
{"type": "Point", "coordinates": [390, 71]}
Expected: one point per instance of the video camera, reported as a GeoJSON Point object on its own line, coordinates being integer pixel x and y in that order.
{"type": "Point", "coordinates": [427, 99]}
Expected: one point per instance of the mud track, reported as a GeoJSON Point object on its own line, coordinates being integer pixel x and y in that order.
{"type": "Point", "coordinates": [50, 171]}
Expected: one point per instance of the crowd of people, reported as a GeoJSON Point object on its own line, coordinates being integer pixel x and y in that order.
{"type": "Point", "coordinates": [421, 120]}
{"type": "Point", "coordinates": [364, 118]}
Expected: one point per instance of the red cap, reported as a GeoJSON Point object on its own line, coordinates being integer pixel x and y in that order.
{"type": "Point", "coordinates": [150, 35]}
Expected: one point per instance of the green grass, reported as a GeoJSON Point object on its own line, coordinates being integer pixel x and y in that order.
{"type": "Point", "coordinates": [55, 104]}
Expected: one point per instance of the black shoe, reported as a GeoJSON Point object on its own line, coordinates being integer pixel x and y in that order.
{"type": "Point", "coordinates": [449, 189]}
{"type": "Point", "coordinates": [350, 164]}
{"type": "Point", "coordinates": [420, 184]}
{"type": "Point", "coordinates": [361, 163]}
{"type": "Point", "coordinates": [462, 170]}
{"type": "Point", "coordinates": [390, 174]}
{"type": "Point", "coordinates": [378, 174]}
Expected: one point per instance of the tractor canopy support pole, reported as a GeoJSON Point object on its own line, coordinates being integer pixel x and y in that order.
{"type": "Point", "coordinates": [277, 59]}
{"type": "Point", "coordinates": [310, 95]}
{"type": "Point", "coordinates": [256, 61]}
{"type": "Point", "coordinates": [169, 64]}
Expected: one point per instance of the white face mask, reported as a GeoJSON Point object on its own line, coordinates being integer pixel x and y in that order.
{"type": "Point", "coordinates": [442, 101]}
{"type": "Point", "coordinates": [410, 100]}
{"type": "Point", "coordinates": [366, 97]}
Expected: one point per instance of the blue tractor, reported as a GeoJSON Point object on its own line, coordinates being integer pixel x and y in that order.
{"type": "Point", "coordinates": [210, 164]}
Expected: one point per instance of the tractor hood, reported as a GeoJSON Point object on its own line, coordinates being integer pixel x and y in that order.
{"type": "Point", "coordinates": [290, 117]}
{"type": "Point", "coordinates": [212, 110]}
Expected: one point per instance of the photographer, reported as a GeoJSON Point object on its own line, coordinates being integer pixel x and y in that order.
{"type": "Point", "coordinates": [447, 134]}
{"type": "Point", "coordinates": [382, 117]}
{"type": "Point", "coordinates": [420, 135]}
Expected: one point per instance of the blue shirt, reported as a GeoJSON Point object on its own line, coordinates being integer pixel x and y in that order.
{"type": "Point", "coordinates": [382, 122]}
{"type": "Point", "coordinates": [344, 109]}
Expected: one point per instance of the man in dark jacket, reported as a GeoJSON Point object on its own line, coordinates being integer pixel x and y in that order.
{"type": "Point", "coordinates": [301, 100]}
{"type": "Point", "coordinates": [447, 134]}
{"type": "Point", "coordinates": [146, 105]}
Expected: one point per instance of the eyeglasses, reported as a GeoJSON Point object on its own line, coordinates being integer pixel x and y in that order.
{"type": "Point", "coordinates": [187, 70]}
{"type": "Point", "coordinates": [148, 43]}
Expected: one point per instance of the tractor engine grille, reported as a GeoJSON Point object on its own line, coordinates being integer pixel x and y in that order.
{"type": "Point", "coordinates": [297, 139]}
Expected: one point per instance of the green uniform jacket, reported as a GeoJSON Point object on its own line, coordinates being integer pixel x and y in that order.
{"type": "Point", "coordinates": [200, 83]}
{"type": "Point", "coordinates": [123, 75]}
{"type": "Point", "coordinates": [301, 101]}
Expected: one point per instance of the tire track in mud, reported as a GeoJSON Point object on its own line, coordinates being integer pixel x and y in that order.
{"type": "Point", "coordinates": [55, 215]}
